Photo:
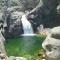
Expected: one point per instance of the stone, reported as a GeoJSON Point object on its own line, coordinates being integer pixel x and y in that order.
{"type": "Point", "coordinates": [51, 44]}
{"type": "Point", "coordinates": [41, 12]}
{"type": "Point", "coordinates": [3, 56]}
{"type": "Point", "coordinates": [1, 16]}
{"type": "Point", "coordinates": [14, 24]}
{"type": "Point", "coordinates": [2, 37]}
{"type": "Point", "coordinates": [58, 9]}
{"type": "Point", "coordinates": [2, 47]}
{"type": "Point", "coordinates": [16, 58]}
{"type": "Point", "coordinates": [11, 58]}
{"type": "Point", "coordinates": [20, 58]}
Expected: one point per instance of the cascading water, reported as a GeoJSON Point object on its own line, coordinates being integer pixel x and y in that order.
{"type": "Point", "coordinates": [28, 30]}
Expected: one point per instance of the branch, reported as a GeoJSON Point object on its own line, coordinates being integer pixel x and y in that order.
{"type": "Point", "coordinates": [37, 7]}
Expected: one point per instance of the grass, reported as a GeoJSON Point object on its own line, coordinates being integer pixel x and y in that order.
{"type": "Point", "coordinates": [28, 47]}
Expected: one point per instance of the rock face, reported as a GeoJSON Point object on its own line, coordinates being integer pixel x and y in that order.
{"type": "Point", "coordinates": [14, 9]}
{"type": "Point", "coordinates": [2, 48]}
{"type": "Point", "coordinates": [14, 24]}
{"type": "Point", "coordinates": [2, 39]}
{"type": "Point", "coordinates": [22, 4]}
{"type": "Point", "coordinates": [51, 45]}
{"type": "Point", "coordinates": [25, 3]}
{"type": "Point", "coordinates": [44, 12]}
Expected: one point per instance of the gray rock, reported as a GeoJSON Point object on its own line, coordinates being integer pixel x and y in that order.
{"type": "Point", "coordinates": [11, 58]}
{"type": "Point", "coordinates": [40, 12]}
{"type": "Point", "coordinates": [20, 58]}
{"type": "Point", "coordinates": [24, 3]}
{"type": "Point", "coordinates": [51, 45]}
{"type": "Point", "coordinates": [58, 9]}
{"type": "Point", "coordinates": [15, 23]}
{"type": "Point", "coordinates": [1, 16]}
{"type": "Point", "coordinates": [2, 47]}
{"type": "Point", "coordinates": [16, 58]}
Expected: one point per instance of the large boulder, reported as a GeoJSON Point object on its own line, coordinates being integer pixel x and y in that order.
{"type": "Point", "coordinates": [14, 24]}
{"type": "Point", "coordinates": [51, 45]}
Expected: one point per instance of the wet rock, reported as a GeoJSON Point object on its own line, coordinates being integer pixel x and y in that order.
{"type": "Point", "coordinates": [14, 24]}
{"type": "Point", "coordinates": [20, 58]}
{"type": "Point", "coordinates": [16, 58]}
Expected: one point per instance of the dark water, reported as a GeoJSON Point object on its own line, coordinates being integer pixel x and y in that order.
{"type": "Point", "coordinates": [24, 46]}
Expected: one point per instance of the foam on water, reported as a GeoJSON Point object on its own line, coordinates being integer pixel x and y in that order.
{"type": "Point", "coordinates": [28, 34]}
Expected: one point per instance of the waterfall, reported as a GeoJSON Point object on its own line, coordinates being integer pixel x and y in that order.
{"type": "Point", "coordinates": [28, 30]}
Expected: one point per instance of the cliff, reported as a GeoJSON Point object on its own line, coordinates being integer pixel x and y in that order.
{"type": "Point", "coordinates": [46, 12]}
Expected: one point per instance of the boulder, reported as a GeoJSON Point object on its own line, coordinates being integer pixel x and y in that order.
{"type": "Point", "coordinates": [58, 9]}
{"type": "Point", "coordinates": [14, 24]}
{"type": "Point", "coordinates": [16, 58]}
{"type": "Point", "coordinates": [2, 48]}
{"type": "Point", "coordinates": [51, 44]}
{"type": "Point", "coordinates": [3, 56]}
{"type": "Point", "coordinates": [20, 58]}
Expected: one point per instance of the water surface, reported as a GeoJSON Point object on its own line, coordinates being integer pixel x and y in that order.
{"type": "Point", "coordinates": [24, 45]}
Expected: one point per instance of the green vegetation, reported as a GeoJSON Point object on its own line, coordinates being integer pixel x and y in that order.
{"type": "Point", "coordinates": [28, 47]}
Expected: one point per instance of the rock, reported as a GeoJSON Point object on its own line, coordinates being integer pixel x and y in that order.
{"type": "Point", "coordinates": [55, 30]}
{"type": "Point", "coordinates": [1, 16]}
{"type": "Point", "coordinates": [2, 41]}
{"type": "Point", "coordinates": [24, 3]}
{"type": "Point", "coordinates": [45, 10]}
{"type": "Point", "coordinates": [40, 28]}
{"type": "Point", "coordinates": [41, 12]}
{"type": "Point", "coordinates": [16, 14]}
{"type": "Point", "coordinates": [14, 24]}
{"type": "Point", "coordinates": [43, 31]}
{"type": "Point", "coordinates": [16, 58]}
{"type": "Point", "coordinates": [11, 58]}
{"type": "Point", "coordinates": [51, 45]}
{"type": "Point", "coordinates": [3, 56]}
{"type": "Point", "coordinates": [45, 13]}
{"type": "Point", "coordinates": [1, 37]}
{"type": "Point", "coordinates": [58, 9]}
{"type": "Point", "coordinates": [20, 58]}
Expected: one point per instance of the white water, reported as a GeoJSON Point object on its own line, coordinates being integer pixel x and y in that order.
{"type": "Point", "coordinates": [28, 30]}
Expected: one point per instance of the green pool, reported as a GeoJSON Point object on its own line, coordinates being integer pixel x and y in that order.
{"type": "Point", "coordinates": [26, 46]}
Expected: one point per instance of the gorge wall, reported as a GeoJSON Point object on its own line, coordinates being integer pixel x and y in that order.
{"type": "Point", "coordinates": [46, 12]}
